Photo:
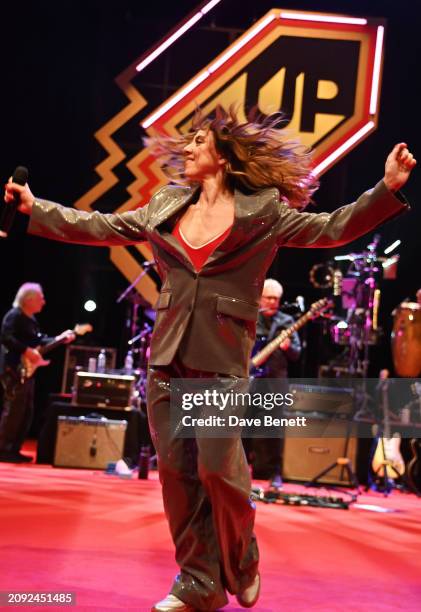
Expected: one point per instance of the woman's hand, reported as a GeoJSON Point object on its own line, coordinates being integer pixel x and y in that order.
{"type": "Point", "coordinates": [398, 167]}
{"type": "Point", "coordinates": [23, 193]}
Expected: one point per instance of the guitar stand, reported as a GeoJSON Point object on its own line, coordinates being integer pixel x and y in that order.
{"type": "Point", "coordinates": [345, 464]}
{"type": "Point", "coordinates": [385, 484]}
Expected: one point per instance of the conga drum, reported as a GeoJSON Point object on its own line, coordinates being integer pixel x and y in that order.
{"type": "Point", "coordinates": [406, 339]}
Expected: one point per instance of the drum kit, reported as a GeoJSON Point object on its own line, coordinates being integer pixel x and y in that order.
{"type": "Point", "coordinates": [357, 297]}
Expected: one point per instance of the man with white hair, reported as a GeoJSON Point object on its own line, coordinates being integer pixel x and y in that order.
{"type": "Point", "coordinates": [20, 336]}
{"type": "Point", "coordinates": [266, 452]}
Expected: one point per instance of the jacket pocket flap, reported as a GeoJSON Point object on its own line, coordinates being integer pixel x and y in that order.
{"type": "Point", "coordinates": [163, 300]}
{"type": "Point", "coordinates": [236, 308]}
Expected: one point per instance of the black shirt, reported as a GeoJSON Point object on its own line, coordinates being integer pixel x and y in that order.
{"type": "Point", "coordinates": [18, 331]}
{"type": "Point", "coordinates": [267, 329]}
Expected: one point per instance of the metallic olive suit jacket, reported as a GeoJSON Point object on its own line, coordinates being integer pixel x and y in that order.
{"type": "Point", "coordinates": [210, 316]}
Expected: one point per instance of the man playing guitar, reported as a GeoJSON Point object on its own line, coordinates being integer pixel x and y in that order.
{"type": "Point", "coordinates": [266, 452]}
{"type": "Point", "coordinates": [20, 337]}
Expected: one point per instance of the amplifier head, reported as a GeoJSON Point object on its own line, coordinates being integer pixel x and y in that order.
{"type": "Point", "coordinates": [103, 390]}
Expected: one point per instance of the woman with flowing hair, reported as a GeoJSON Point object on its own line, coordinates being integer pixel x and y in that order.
{"type": "Point", "coordinates": [257, 153]}
{"type": "Point", "coordinates": [213, 237]}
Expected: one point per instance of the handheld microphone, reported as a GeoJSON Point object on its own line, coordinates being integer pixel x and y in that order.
{"type": "Point", "coordinates": [20, 176]}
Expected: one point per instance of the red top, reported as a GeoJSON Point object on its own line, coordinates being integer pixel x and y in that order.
{"type": "Point", "coordinates": [199, 255]}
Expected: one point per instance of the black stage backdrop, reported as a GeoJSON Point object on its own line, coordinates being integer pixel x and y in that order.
{"type": "Point", "coordinates": [59, 62]}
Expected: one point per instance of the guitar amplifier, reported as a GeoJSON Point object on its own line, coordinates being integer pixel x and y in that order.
{"type": "Point", "coordinates": [305, 457]}
{"type": "Point", "coordinates": [77, 359]}
{"type": "Point", "coordinates": [84, 442]}
{"type": "Point", "coordinates": [103, 390]}
{"type": "Point", "coordinates": [322, 401]}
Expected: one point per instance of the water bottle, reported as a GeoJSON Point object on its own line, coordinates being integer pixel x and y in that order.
{"type": "Point", "coordinates": [102, 359]}
{"type": "Point", "coordinates": [144, 457]}
{"type": "Point", "coordinates": [128, 362]}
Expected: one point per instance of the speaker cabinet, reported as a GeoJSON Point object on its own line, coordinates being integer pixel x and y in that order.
{"type": "Point", "coordinates": [88, 442]}
{"type": "Point", "coordinates": [305, 458]}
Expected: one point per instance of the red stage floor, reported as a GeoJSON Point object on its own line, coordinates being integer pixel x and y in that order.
{"type": "Point", "coordinates": [106, 539]}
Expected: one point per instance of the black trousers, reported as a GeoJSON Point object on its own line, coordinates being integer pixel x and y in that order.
{"type": "Point", "coordinates": [206, 489]}
{"type": "Point", "coordinates": [17, 414]}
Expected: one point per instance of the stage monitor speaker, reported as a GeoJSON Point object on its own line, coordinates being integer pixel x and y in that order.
{"type": "Point", "coordinates": [84, 442]}
{"type": "Point", "coordinates": [77, 358]}
{"type": "Point", "coordinates": [305, 458]}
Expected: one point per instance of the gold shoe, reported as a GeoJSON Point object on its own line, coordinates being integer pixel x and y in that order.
{"type": "Point", "coordinates": [248, 598]}
{"type": "Point", "coordinates": [172, 604]}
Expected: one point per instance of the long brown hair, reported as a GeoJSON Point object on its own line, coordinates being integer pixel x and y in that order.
{"type": "Point", "coordinates": [258, 152]}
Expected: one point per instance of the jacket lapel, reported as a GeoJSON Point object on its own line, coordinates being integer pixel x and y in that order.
{"type": "Point", "coordinates": [251, 212]}
{"type": "Point", "coordinates": [182, 198]}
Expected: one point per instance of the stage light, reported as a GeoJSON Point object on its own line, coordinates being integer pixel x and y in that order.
{"type": "Point", "coordinates": [201, 77]}
{"type": "Point", "coordinates": [323, 18]}
{"type": "Point", "coordinates": [376, 70]}
{"type": "Point", "coordinates": [175, 35]}
{"type": "Point", "coordinates": [392, 247]}
{"type": "Point", "coordinates": [207, 73]}
{"type": "Point", "coordinates": [89, 305]}
{"type": "Point", "coordinates": [243, 41]}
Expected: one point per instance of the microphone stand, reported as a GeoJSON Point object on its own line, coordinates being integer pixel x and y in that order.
{"type": "Point", "coordinates": [146, 265]}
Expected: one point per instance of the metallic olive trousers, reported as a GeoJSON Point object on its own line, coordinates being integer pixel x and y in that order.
{"type": "Point", "coordinates": [206, 492]}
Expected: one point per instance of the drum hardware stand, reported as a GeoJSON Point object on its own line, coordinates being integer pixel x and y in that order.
{"type": "Point", "coordinates": [362, 301]}
{"type": "Point", "coordinates": [361, 297]}
{"type": "Point", "coordinates": [138, 301]}
{"type": "Point", "coordinates": [141, 372]}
